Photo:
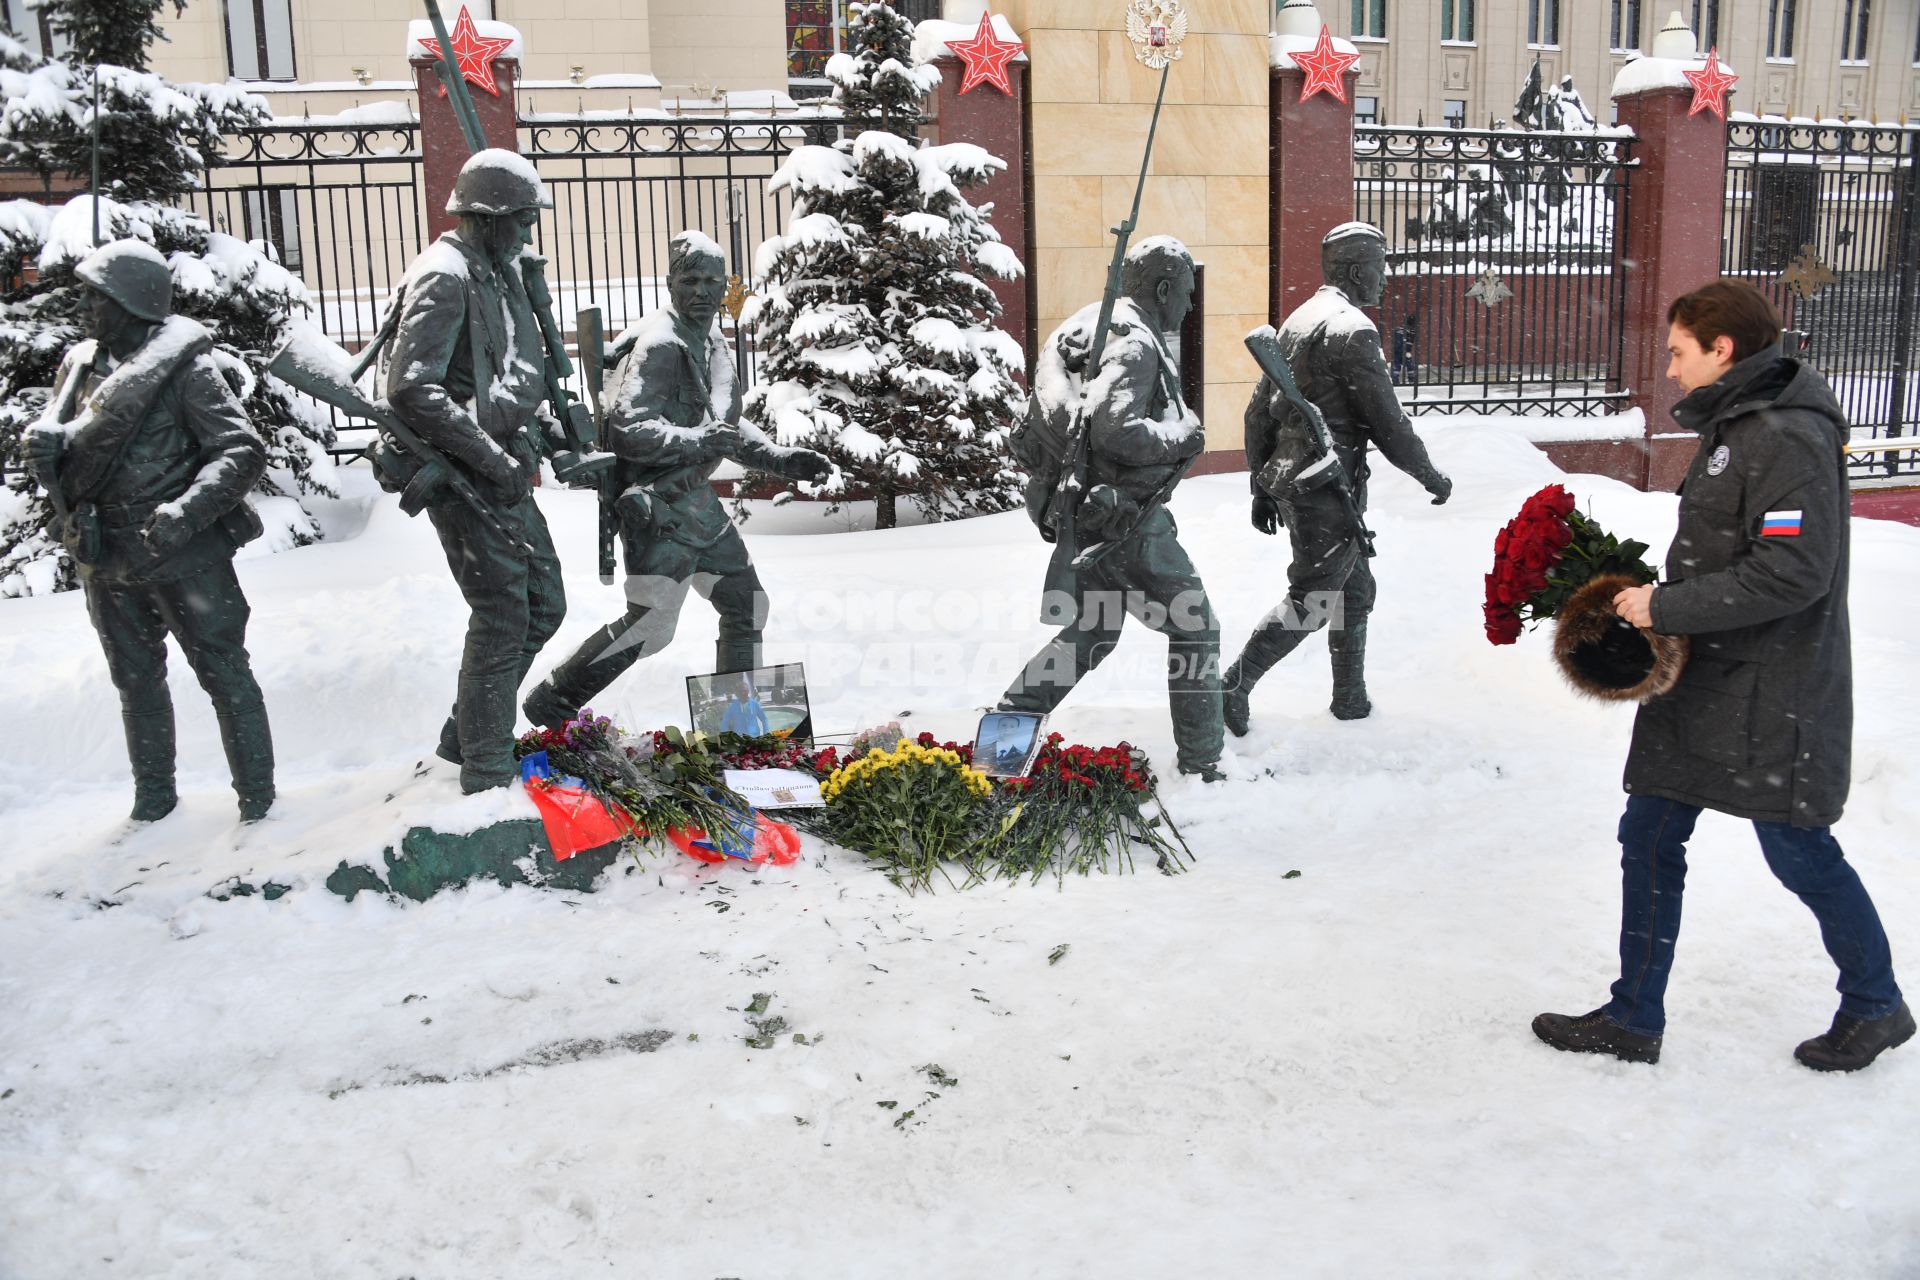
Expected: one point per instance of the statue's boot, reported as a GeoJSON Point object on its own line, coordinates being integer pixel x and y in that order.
{"type": "Point", "coordinates": [1349, 646]}
{"type": "Point", "coordinates": [248, 740]}
{"type": "Point", "coordinates": [449, 745]}
{"type": "Point", "coordinates": [549, 708]}
{"type": "Point", "coordinates": [150, 752]}
{"type": "Point", "coordinates": [1269, 643]}
{"type": "Point", "coordinates": [486, 732]}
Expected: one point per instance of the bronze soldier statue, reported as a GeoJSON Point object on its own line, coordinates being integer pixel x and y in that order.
{"type": "Point", "coordinates": [147, 456]}
{"type": "Point", "coordinates": [1140, 439]}
{"type": "Point", "coordinates": [673, 415]}
{"type": "Point", "coordinates": [465, 374]}
{"type": "Point", "coordinates": [1333, 352]}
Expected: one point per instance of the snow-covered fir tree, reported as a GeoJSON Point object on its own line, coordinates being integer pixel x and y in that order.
{"type": "Point", "coordinates": [875, 325]}
{"type": "Point", "coordinates": [155, 140]}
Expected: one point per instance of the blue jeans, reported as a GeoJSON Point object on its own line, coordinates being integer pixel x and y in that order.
{"type": "Point", "coordinates": [1808, 860]}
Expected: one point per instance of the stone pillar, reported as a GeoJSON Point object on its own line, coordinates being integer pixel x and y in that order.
{"type": "Point", "coordinates": [443, 148]}
{"type": "Point", "coordinates": [1310, 150]}
{"type": "Point", "coordinates": [996, 121]}
{"type": "Point", "coordinates": [1670, 244]}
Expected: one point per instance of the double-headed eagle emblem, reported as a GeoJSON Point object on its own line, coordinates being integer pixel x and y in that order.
{"type": "Point", "coordinates": [1156, 28]}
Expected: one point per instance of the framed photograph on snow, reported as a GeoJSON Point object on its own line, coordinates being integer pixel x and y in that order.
{"type": "Point", "coordinates": [1007, 741]}
{"type": "Point", "coordinates": [763, 701]}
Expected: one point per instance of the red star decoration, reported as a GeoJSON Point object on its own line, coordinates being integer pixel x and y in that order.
{"type": "Point", "coordinates": [1326, 67]}
{"type": "Point", "coordinates": [474, 52]}
{"type": "Point", "coordinates": [1710, 86]}
{"type": "Point", "coordinates": [986, 57]}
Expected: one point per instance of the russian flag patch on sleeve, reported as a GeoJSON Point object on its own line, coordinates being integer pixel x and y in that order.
{"type": "Point", "coordinates": [1780, 524]}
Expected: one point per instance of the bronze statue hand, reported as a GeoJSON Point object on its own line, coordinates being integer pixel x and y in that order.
{"type": "Point", "coordinates": [43, 450]}
{"type": "Point", "coordinates": [1266, 514]}
{"type": "Point", "coordinates": [819, 467]}
{"type": "Point", "coordinates": [1441, 488]}
{"type": "Point", "coordinates": [510, 483]}
{"type": "Point", "coordinates": [164, 534]}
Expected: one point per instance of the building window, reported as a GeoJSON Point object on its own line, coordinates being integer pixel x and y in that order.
{"type": "Point", "coordinates": [1853, 32]}
{"type": "Point", "coordinates": [1626, 24]}
{"type": "Point", "coordinates": [1454, 112]}
{"type": "Point", "coordinates": [33, 28]}
{"type": "Point", "coordinates": [1706, 23]}
{"type": "Point", "coordinates": [1543, 22]}
{"type": "Point", "coordinates": [1370, 19]}
{"type": "Point", "coordinates": [1366, 110]}
{"type": "Point", "coordinates": [1456, 19]}
{"type": "Point", "coordinates": [260, 39]}
{"type": "Point", "coordinates": [816, 30]}
{"type": "Point", "coordinates": [272, 214]}
{"type": "Point", "coordinates": [1779, 28]}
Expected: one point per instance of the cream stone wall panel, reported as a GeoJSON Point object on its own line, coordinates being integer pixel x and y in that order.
{"type": "Point", "coordinates": [1071, 138]}
{"type": "Point", "coordinates": [1237, 70]}
{"type": "Point", "coordinates": [1067, 212]}
{"type": "Point", "coordinates": [1064, 66]}
{"type": "Point", "coordinates": [1069, 279]}
{"type": "Point", "coordinates": [1237, 210]}
{"type": "Point", "coordinates": [1232, 17]}
{"type": "Point", "coordinates": [1227, 358]}
{"type": "Point", "coordinates": [1169, 206]}
{"type": "Point", "coordinates": [1071, 15]}
{"type": "Point", "coordinates": [1206, 140]}
{"type": "Point", "coordinates": [1226, 415]}
{"type": "Point", "coordinates": [1237, 281]}
{"type": "Point", "coordinates": [1124, 78]}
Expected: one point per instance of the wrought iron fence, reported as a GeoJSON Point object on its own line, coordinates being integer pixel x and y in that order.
{"type": "Point", "coordinates": [623, 184]}
{"type": "Point", "coordinates": [339, 203]}
{"type": "Point", "coordinates": [342, 205]}
{"type": "Point", "coordinates": [1506, 288]}
{"type": "Point", "coordinates": [1822, 217]}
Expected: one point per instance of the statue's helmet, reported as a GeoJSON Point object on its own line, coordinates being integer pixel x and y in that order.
{"type": "Point", "coordinates": [133, 274]}
{"type": "Point", "coordinates": [1353, 242]}
{"type": "Point", "coordinates": [497, 181]}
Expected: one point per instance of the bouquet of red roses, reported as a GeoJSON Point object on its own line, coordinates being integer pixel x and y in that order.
{"type": "Point", "coordinates": [1552, 562]}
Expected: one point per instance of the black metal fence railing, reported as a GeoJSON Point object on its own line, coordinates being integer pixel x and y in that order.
{"type": "Point", "coordinates": [623, 184]}
{"type": "Point", "coordinates": [1825, 219]}
{"type": "Point", "coordinates": [340, 205]}
{"type": "Point", "coordinates": [1506, 287]}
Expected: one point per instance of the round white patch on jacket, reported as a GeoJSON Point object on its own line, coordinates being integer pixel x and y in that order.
{"type": "Point", "coordinates": [1718, 462]}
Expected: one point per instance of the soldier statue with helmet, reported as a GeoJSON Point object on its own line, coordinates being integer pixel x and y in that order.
{"type": "Point", "coordinates": [147, 456]}
{"type": "Point", "coordinates": [673, 415]}
{"type": "Point", "coordinates": [1332, 351]}
{"type": "Point", "coordinates": [465, 375]}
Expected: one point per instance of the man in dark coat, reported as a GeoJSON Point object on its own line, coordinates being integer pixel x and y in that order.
{"type": "Point", "coordinates": [673, 414]}
{"type": "Point", "coordinates": [465, 373]}
{"type": "Point", "coordinates": [1333, 351]}
{"type": "Point", "coordinates": [147, 455]}
{"type": "Point", "coordinates": [1760, 724]}
{"type": "Point", "coordinates": [1142, 437]}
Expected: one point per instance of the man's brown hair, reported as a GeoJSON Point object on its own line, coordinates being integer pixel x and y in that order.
{"type": "Point", "coordinates": [1732, 309]}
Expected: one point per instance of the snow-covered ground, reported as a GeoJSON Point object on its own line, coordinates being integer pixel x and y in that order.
{"type": "Point", "coordinates": [1228, 1073]}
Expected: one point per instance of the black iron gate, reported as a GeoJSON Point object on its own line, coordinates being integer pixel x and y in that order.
{"type": "Point", "coordinates": [1825, 219]}
{"type": "Point", "coordinates": [1506, 293]}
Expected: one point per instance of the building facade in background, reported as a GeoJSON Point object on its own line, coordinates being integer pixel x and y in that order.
{"type": "Point", "coordinates": [1466, 61]}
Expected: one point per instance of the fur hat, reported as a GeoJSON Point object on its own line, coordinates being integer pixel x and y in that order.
{"type": "Point", "coordinates": [1603, 656]}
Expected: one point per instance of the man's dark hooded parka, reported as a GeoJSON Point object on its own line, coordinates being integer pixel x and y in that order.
{"type": "Point", "coordinates": [1761, 723]}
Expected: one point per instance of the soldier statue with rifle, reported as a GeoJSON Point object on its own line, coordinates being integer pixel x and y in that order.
{"type": "Point", "coordinates": [672, 415]}
{"type": "Point", "coordinates": [465, 376]}
{"type": "Point", "coordinates": [147, 456]}
{"type": "Point", "coordinates": [1326, 395]}
{"type": "Point", "coordinates": [1116, 431]}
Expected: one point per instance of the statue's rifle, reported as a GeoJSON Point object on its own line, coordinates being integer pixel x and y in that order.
{"type": "Point", "coordinates": [1325, 468]}
{"type": "Point", "coordinates": [1157, 44]}
{"type": "Point", "coordinates": [580, 464]}
{"type": "Point", "coordinates": [308, 362]}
